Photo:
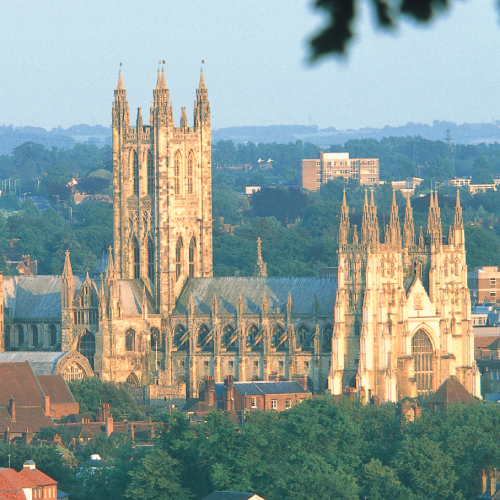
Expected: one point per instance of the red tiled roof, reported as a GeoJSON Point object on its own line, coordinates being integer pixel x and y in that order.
{"type": "Point", "coordinates": [12, 495]}
{"type": "Point", "coordinates": [17, 381]}
{"type": "Point", "coordinates": [451, 391]}
{"type": "Point", "coordinates": [55, 387]}
{"type": "Point", "coordinates": [31, 418]}
{"type": "Point", "coordinates": [37, 476]}
{"type": "Point", "coordinates": [486, 342]}
{"type": "Point", "coordinates": [10, 480]}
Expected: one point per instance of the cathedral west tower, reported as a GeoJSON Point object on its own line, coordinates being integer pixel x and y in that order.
{"type": "Point", "coordinates": [162, 194]}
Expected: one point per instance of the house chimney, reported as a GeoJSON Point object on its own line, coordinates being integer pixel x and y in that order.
{"type": "Point", "coordinates": [131, 430]}
{"type": "Point", "coordinates": [228, 393]}
{"type": "Point", "coordinates": [27, 437]}
{"type": "Point", "coordinates": [209, 392]}
{"type": "Point", "coordinates": [47, 406]}
{"type": "Point", "coordinates": [7, 435]}
{"type": "Point", "coordinates": [483, 482]}
{"type": "Point", "coordinates": [492, 484]}
{"type": "Point", "coordinates": [301, 379]}
{"type": "Point", "coordinates": [12, 409]}
{"type": "Point", "coordinates": [109, 425]}
{"type": "Point", "coordinates": [57, 438]}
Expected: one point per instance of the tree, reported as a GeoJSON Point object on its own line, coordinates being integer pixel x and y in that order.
{"type": "Point", "coordinates": [157, 478]}
{"type": "Point", "coordinates": [337, 33]}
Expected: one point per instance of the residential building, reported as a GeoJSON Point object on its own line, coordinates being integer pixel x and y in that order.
{"type": "Point", "coordinates": [484, 284]}
{"type": "Point", "coordinates": [451, 392]}
{"type": "Point", "coordinates": [330, 166]}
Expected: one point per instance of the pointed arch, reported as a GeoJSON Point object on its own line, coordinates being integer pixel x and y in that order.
{"type": "Point", "coordinates": [303, 338]}
{"type": "Point", "coordinates": [179, 342]}
{"type": "Point", "coordinates": [445, 268]}
{"type": "Point", "coordinates": [137, 259]}
{"type": "Point", "coordinates": [326, 338]}
{"type": "Point", "coordinates": [151, 260]}
{"type": "Point", "coordinates": [151, 175]}
{"type": "Point", "coordinates": [190, 172]}
{"type": "Point", "coordinates": [457, 264]}
{"type": "Point", "coordinates": [251, 336]}
{"type": "Point", "coordinates": [132, 379]}
{"type": "Point", "coordinates": [382, 267]}
{"type": "Point", "coordinates": [130, 340]}
{"type": "Point", "coordinates": [155, 339]}
{"type": "Point", "coordinates": [192, 254]}
{"type": "Point", "coordinates": [203, 341]}
{"type": "Point", "coordinates": [422, 352]}
{"type": "Point", "coordinates": [177, 172]}
{"type": "Point", "coordinates": [136, 173]}
{"type": "Point", "coordinates": [227, 333]}
{"type": "Point", "coordinates": [277, 332]}
{"type": "Point", "coordinates": [178, 258]}
{"type": "Point", "coordinates": [86, 346]}
{"type": "Point", "coordinates": [182, 387]}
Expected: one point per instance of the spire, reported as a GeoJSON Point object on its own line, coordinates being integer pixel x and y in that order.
{"type": "Point", "coordinates": [158, 79]}
{"type": "Point", "coordinates": [394, 198]}
{"type": "Point", "coordinates": [436, 203]}
{"type": "Point", "coordinates": [184, 119]}
{"type": "Point", "coordinates": [369, 222]}
{"type": "Point", "coordinates": [202, 80]}
{"type": "Point", "coordinates": [457, 204]}
{"type": "Point", "coordinates": [372, 201]}
{"type": "Point", "coordinates": [421, 238]}
{"type": "Point", "coordinates": [260, 266]}
{"type": "Point", "coordinates": [431, 200]}
{"type": "Point", "coordinates": [434, 220]}
{"type": "Point", "coordinates": [139, 120]}
{"type": "Point", "coordinates": [344, 222]}
{"type": "Point", "coordinates": [408, 228]}
{"type": "Point", "coordinates": [163, 84]}
{"type": "Point", "coordinates": [366, 198]}
{"type": "Point", "coordinates": [458, 223]}
{"type": "Point", "coordinates": [355, 235]}
{"type": "Point", "coordinates": [67, 270]}
{"type": "Point", "coordinates": [120, 82]}
{"type": "Point", "coordinates": [394, 227]}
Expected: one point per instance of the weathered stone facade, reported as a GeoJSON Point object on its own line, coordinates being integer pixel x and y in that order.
{"type": "Point", "coordinates": [396, 322]}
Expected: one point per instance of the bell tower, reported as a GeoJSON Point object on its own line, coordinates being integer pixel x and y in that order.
{"type": "Point", "coordinates": [162, 194]}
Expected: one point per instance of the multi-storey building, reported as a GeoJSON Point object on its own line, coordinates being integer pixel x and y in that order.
{"type": "Point", "coordinates": [330, 166]}
{"type": "Point", "coordinates": [484, 284]}
{"type": "Point", "coordinates": [395, 322]}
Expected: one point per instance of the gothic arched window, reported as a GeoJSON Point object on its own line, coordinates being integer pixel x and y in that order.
{"type": "Point", "coordinates": [130, 340]}
{"type": "Point", "coordinates": [155, 339]}
{"type": "Point", "coordinates": [53, 335]}
{"type": "Point", "coordinates": [326, 344]}
{"type": "Point", "coordinates": [456, 267]}
{"type": "Point", "coordinates": [151, 175]}
{"type": "Point", "coordinates": [34, 332]}
{"type": "Point", "coordinates": [136, 174]}
{"type": "Point", "coordinates": [177, 173]}
{"type": "Point", "coordinates": [252, 332]}
{"type": "Point", "coordinates": [421, 349]}
{"type": "Point", "coordinates": [137, 260]}
{"type": "Point", "coordinates": [302, 337]}
{"type": "Point", "coordinates": [7, 337]}
{"type": "Point", "coordinates": [393, 267]}
{"type": "Point", "coordinates": [151, 260]}
{"type": "Point", "coordinates": [20, 335]}
{"type": "Point", "coordinates": [132, 379]}
{"type": "Point", "coordinates": [227, 333]}
{"type": "Point", "coordinates": [179, 332]}
{"type": "Point", "coordinates": [278, 331]}
{"type": "Point", "coordinates": [86, 347]}
{"type": "Point", "coordinates": [348, 268]}
{"type": "Point", "coordinates": [178, 259]}
{"type": "Point", "coordinates": [205, 345]}
{"type": "Point", "coordinates": [445, 267]}
{"type": "Point", "coordinates": [382, 268]}
{"type": "Point", "coordinates": [190, 172]}
{"type": "Point", "coordinates": [192, 251]}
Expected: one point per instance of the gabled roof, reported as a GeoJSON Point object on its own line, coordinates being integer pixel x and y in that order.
{"type": "Point", "coordinates": [10, 480]}
{"type": "Point", "coordinates": [55, 387]}
{"type": "Point", "coordinates": [487, 342]}
{"type": "Point", "coordinates": [41, 362]}
{"type": "Point", "coordinates": [252, 291]}
{"type": "Point", "coordinates": [18, 381]}
{"type": "Point", "coordinates": [451, 391]}
{"type": "Point", "coordinates": [37, 476]}
{"type": "Point", "coordinates": [32, 418]}
{"type": "Point", "coordinates": [131, 293]}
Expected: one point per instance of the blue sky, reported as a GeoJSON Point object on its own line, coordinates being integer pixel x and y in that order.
{"type": "Point", "coordinates": [59, 63]}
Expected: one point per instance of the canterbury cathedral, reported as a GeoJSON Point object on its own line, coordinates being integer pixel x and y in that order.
{"type": "Point", "coordinates": [395, 322]}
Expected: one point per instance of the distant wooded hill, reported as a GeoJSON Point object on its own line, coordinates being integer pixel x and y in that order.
{"type": "Point", "coordinates": [467, 133]}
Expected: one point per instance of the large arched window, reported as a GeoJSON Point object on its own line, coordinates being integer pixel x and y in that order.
{"type": "Point", "coordinates": [130, 340]}
{"type": "Point", "coordinates": [192, 252]}
{"type": "Point", "coordinates": [227, 334]}
{"type": "Point", "coordinates": [326, 344]}
{"type": "Point", "coordinates": [20, 335]}
{"type": "Point", "coordinates": [190, 172]}
{"type": "Point", "coordinates": [34, 333]}
{"type": "Point", "coordinates": [155, 339]}
{"type": "Point", "coordinates": [132, 379]}
{"type": "Point", "coordinates": [151, 175]}
{"type": "Point", "coordinates": [136, 174]}
{"type": "Point", "coordinates": [421, 349]}
{"type": "Point", "coordinates": [151, 260]}
{"type": "Point", "coordinates": [86, 347]}
{"type": "Point", "coordinates": [178, 259]}
{"type": "Point", "coordinates": [278, 331]}
{"type": "Point", "coordinates": [137, 260]}
{"type": "Point", "coordinates": [303, 340]}
{"type": "Point", "coordinates": [179, 342]}
{"type": "Point", "coordinates": [53, 335]}
{"type": "Point", "coordinates": [7, 337]}
{"type": "Point", "coordinates": [177, 173]}
{"type": "Point", "coordinates": [205, 345]}
{"type": "Point", "coordinates": [252, 332]}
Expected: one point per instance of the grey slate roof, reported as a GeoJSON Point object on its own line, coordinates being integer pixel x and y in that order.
{"type": "Point", "coordinates": [252, 291]}
{"type": "Point", "coordinates": [131, 293]}
{"type": "Point", "coordinates": [42, 363]}
{"type": "Point", "coordinates": [256, 388]}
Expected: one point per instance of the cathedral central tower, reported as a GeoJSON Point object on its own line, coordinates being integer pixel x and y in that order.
{"type": "Point", "coordinates": [162, 194]}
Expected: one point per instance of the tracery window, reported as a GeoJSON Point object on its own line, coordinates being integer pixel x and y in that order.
{"type": "Point", "coordinates": [136, 174]}
{"type": "Point", "coordinates": [132, 379]}
{"type": "Point", "coordinates": [155, 339]}
{"type": "Point", "coordinates": [177, 173]}
{"type": "Point", "coordinates": [86, 347]}
{"type": "Point", "coordinates": [151, 260]}
{"type": "Point", "coordinates": [456, 267]}
{"type": "Point", "coordinates": [190, 172]}
{"type": "Point", "coordinates": [302, 336]}
{"type": "Point", "coordinates": [421, 348]}
{"type": "Point", "coordinates": [178, 259]}
{"type": "Point", "coordinates": [151, 175]}
{"type": "Point", "coordinates": [137, 260]}
{"type": "Point", "coordinates": [179, 332]}
{"type": "Point", "coordinates": [445, 268]}
{"type": "Point", "coordinates": [130, 340]}
{"type": "Point", "coordinates": [205, 345]}
{"type": "Point", "coordinates": [192, 251]}
{"type": "Point", "coordinates": [326, 344]}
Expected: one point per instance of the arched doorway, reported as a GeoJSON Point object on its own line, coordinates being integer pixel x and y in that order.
{"type": "Point", "coordinates": [421, 349]}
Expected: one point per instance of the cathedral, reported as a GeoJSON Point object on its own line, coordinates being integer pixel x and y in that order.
{"type": "Point", "coordinates": [395, 323]}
